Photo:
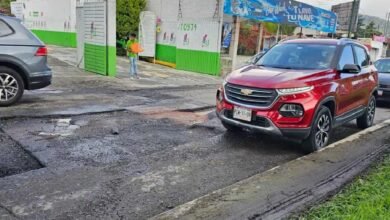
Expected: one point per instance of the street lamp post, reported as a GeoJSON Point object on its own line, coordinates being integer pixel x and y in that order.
{"type": "Point", "coordinates": [351, 18]}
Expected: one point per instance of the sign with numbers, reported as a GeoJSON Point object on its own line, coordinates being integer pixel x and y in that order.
{"type": "Point", "coordinates": [198, 35]}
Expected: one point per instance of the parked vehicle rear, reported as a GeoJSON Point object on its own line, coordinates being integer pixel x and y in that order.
{"type": "Point", "coordinates": [23, 61]}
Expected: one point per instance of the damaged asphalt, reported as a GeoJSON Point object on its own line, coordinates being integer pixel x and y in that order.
{"type": "Point", "coordinates": [93, 147]}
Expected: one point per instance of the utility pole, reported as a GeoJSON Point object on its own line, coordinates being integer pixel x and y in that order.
{"type": "Point", "coordinates": [278, 34]}
{"type": "Point", "coordinates": [351, 18]}
{"type": "Point", "coordinates": [387, 25]}
{"type": "Point", "coordinates": [260, 40]}
{"type": "Point", "coordinates": [234, 43]}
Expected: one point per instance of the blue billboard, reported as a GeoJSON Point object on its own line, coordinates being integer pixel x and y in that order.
{"type": "Point", "coordinates": [283, 12]}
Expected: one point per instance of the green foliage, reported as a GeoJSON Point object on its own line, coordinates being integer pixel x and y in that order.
{"type": "Point", "coordinates": [284, 28]}
{"type": "Point", "coordinates": [370, 29]}
{"type": "Point", "coordinates": [271, 28]}
{"type": "Point", "coordinates": [127, 19]}
{"type": "Point", "coordinates": [5, 5]}
{"type": "Point", "coordinates": [367, 198]}
{"type": "Point", "coordinates": [360, 27]}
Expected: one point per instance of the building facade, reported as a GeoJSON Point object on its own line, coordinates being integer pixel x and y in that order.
{"type": "Point", "coordinates": [189, 33]}
{"type": "Point", "coordinates": [188, 36]}
{"type": "Point", "coordinates": [344, 12]}
{"type": "Point", "coordinates": [53, 22]}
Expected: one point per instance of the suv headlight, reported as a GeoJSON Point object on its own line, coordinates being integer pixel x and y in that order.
{"type": "Point", "coordinates": [291, 91]}
{"type": "Point", "coordinates": [291, 110]}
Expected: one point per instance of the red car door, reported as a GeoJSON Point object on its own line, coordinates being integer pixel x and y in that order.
{"type": "Point", "coordinates": [361, 83]}
{"type": "Point", "coordinates": [345, 93]}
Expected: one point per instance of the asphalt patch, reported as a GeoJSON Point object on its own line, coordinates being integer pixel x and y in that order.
{"type": "Point", "coordinates": [14, 159]}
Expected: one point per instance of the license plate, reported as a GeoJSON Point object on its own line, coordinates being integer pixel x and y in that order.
{"type": "Point", "coordinates": [242, 114]}
{"type": "Point", "coordinates": [380, 92]}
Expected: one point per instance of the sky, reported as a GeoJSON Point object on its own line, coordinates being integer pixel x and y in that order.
{"type": "Point", "coordinates": [377, 8]}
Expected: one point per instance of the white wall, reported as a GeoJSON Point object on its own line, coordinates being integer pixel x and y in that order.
{"type": "Point", "coordinates": [50, 15]}
{"type": "Point", "coordinates": [377, 50]}
{"type": "Point", "coordinates": [204, 9]}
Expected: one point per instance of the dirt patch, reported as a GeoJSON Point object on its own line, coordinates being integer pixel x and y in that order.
{"type": "Point", "coordinates": [187, 118]}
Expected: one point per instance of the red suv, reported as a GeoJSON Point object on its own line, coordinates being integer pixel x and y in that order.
{"type": "Point", "coordinates": [302, 89]}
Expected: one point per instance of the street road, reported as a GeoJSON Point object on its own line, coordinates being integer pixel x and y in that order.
{"type": "Point", "coordinates": [111, 148]}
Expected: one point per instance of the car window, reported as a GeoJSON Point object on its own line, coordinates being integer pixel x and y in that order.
{"type": "Point", "coordinates": [5, 29]}
{"type": "Point", "coordinates": [383, 66]}
{"type": "Point", "coordinates": [299, 56]}
{"type": "Point", "coordinates": [346, 57]}
{"type": "Point", "coordinates": [362, 57]}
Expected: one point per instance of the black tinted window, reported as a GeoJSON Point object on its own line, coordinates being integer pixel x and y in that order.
{"type": "Point", "coordinates": [362, 56]}
{"type": "Point", "coordinates": [4, 29]}
{"type": "Point", "coordinates": [346, 57]}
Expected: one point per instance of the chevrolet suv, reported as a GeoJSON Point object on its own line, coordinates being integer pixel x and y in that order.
{"type": "Point", "coordinates": [302, 89]}
{"type": "Point", "coordinates": [23, 61]}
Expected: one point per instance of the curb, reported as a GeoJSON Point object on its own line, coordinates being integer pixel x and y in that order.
{"type": "Point", "coordinates": [285, 189]}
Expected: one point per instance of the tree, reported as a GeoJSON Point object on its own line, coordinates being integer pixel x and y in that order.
{"type": "Point", "coordinates": [5, 6]}
{"type": "Point", "coordinates": [284, 28]}
{"type": "Point", "coordinates": [127, 20]}
{"type": "Point", "coordinates": [371, 29]}
{"type": "Point", "coordinates": [360, 27]}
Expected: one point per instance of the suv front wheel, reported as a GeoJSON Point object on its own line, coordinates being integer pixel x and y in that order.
{"type": "Point", "coordinates": [320, 131]}
{"type": "Point", "coordinates": [11, 86]}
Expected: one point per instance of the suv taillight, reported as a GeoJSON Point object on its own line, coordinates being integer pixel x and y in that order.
{"type": "Point", "coordinates": [42, 51]}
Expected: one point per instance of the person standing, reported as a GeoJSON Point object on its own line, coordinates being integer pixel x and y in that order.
{"type": "Point", "coordinates": [131, 45]}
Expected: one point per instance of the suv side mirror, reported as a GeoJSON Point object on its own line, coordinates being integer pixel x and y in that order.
{"type": "Point", "coordinates": [351, 68]}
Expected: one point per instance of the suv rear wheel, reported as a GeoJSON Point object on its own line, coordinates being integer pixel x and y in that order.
{"type": "Point", "coordinates": [367, 120]}
{"type": "Point", "coordinates": [320, 131]}
{"type": "Point", "coordinates": [11, 86]}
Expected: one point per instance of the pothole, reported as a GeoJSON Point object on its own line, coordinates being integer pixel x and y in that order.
{"type": "Point", "coordinates": [14, 159]}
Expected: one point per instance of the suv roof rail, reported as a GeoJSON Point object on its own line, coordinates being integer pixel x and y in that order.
{"type": "Point", "coordinates": [346, 39]}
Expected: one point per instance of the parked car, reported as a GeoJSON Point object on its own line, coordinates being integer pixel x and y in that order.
{"type": "Point", "coordinates": [302, 89]}
{"type": "Point", "coordinates": [383, 66]}
{"type": "Point", "coordinates": [23, 61]}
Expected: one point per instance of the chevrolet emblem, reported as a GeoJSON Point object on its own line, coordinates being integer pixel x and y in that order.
{"type": "Point", "coordinates": [246, 91]}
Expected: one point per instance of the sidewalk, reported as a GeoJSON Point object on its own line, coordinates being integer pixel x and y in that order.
{"type": "Point", "coordinates": [151, 75]}
{"type": "Point", "coordinates": [75, 91]}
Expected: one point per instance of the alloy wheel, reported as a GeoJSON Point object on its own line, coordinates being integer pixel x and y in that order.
{"type": "Point", "coordinates": [371, 111]}
{"type": "Point", "coordinates": [8, 87]}
{"type": "Point", "coordinates": [322, 131]}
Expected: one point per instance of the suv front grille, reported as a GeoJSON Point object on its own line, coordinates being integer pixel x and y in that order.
{"type": "Point", "coordinates": [250, 96]}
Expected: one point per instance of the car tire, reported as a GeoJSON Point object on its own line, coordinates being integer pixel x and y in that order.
{"type": "Point", "coordinates": [231, 128]}
{"type": "Point", "coordinates": [11, 84]}
{"type": "Point", "coordinates": [320, 132]}
{"type": "Point", "coordinates": [367, 120]}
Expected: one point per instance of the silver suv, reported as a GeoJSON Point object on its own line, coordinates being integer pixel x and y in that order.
{"type": "Point", "coordinates": [23, 61]}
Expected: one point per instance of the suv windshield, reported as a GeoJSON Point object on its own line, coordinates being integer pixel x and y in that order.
{"type": "Point", "coordinates": [383, 66]}
{"type": "Point", "coordinates": [299, 56]}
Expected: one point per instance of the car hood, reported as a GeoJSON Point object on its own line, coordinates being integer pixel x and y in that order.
{"type": "Point", "coordinates": [264, 77]}
{"type": "Point", "coordinates": [384, 78]}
